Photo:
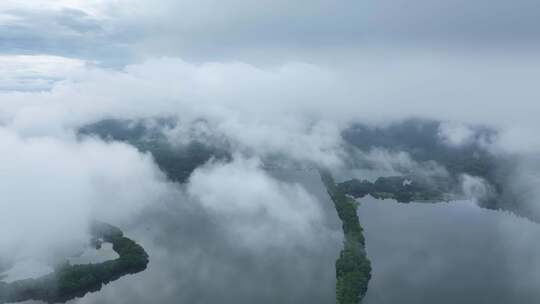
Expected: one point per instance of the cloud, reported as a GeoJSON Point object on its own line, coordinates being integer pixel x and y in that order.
{"type": "Point", "coordinates": [377, 162]}
{"type": "Point", "coordinates": [271, 79]}
{"type": "Point", "coordinates": [456, 134]}
{"type": "Point", "coordinates": [293, 110]}
{"type": "Point", "coordinates": [52, 188]}
{"type": "Point", "coordinates": [266, 111]}
{"type": "Point", "coordinates": [476, 188]}
{"type": "Point", "coordinates": [66, 28]}
{"type": "Point", "coordinates": [119, 32]}
{"type": "Point", "coordinates": [197, 255]}
{"type": "Point", "coordinates": [296, 108]}
{"type": "Point", "coordinates": [521, 180]}
{"type": "Point", "coordinates": [35, 72]}
{"type": "Point", "coordinates": [256, 209]}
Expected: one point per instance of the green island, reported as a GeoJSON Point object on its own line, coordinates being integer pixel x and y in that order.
{"type": "Point", "coordinates": [353, 268]}
{"type": "Point", "coordinates": [72, 281]}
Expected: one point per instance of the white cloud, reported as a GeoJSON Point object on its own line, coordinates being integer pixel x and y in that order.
{"type": "Point", "coordinates": [259, 211]}
{"type": "Point", "coordinates": [521, 184]}
{"type": "Point", "coordinates": [266, 111]}
{"type": "Point", "coordinates": [52, 188]}
{"type": "Point", "coordinates": [383, 162]}
{"type": "Point", "coordinates": [35, 72]}
{"type": "Point", "coordinates": [295, 109]}
{"type": "Point", "coordinates": [454, 134]}
{"type": "Point", "coordinates": [94, 7]}
{"type": "Point", "coordinates": [475, 187]}
{"type": "Point", "coordinates": [52, 184]}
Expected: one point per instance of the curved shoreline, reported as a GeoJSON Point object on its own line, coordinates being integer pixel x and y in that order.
{"type": "Point", "coordinates": [74, 281]}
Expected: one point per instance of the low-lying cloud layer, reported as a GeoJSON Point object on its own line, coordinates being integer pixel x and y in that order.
{"type": "Point", "coordinates": [256, 209]}
{"type": "Point", "coordinates": [295, 111]}
{"type": "Point", "coordinates": [274, 84]}
{"type": "Point", "coordinates": [294, 106]}
{"type": "Point", "coordinates": [53, 188]}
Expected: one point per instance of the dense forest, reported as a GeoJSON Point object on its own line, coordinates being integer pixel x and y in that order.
{"type": "Point", "coordinates": [353, 268]}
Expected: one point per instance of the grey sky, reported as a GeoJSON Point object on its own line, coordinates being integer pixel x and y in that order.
{"type": "Point", "coordinates": [116, 33]}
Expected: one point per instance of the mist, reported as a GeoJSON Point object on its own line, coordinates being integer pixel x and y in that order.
{"type": "Point", "coordinates": [56, 187]}
{"type": "Point", "coordinates": [198, 128]}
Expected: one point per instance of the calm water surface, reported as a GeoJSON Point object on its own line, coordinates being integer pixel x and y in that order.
{"type": "Point", "coordinates": [449, 253]}
{"type": "Point", "coordinates": [193, 260]}
{"type": "Point", "coordinates": [421, 253]}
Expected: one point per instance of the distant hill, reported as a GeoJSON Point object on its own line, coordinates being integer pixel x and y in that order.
{"type": "Point", "coordinates": [178, 161]}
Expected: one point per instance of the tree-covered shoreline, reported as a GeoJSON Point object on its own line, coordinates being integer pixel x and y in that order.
{"type": "Point", "coordinates": [72, 281]}
{"type": "Point", "coordinates": [353, 268]}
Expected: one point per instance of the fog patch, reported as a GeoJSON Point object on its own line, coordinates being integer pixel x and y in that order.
{"type": "Point", "coordinates": [522, 182]}
{"type": "Point", "coordinates": [376, 162]}
{"type": "Point", "coordinates": [454, 134]}
{"type": "Point", "coordinates": [26, 269]}
{"type": "Point", "coordinates": [255, 208]}
{"type": "Point", "coordinates": [52, 188]}
{"type": "Point", "coordinates": [476, 188]}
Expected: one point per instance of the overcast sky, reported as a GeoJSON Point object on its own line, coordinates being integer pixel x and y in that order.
{"type": "Point", "coordinates": [412, 56]}
{"type": "Point", "coordinates": [273, 77]}
{"type": "Point", "coordinates": [120, 31]}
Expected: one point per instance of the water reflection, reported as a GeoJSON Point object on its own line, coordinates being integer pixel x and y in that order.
{"type": "Point", "coordinates": [91, 255]}
{"type": "Point", "coordinates": [26, 269]}
{"type": "Point", "coordinates": [449, 253]}
{"type": "Point", "coordinates": [193, 260]}
{"type": "Point", "coordinates": [421, 253]}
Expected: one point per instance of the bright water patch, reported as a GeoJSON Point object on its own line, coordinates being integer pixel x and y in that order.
{"type": "Point", "coordinates": [34, 268]}
{"type": "Point", "coordinates": [95, 256]}
{"type": "Point", "coordinates": [26, 269]}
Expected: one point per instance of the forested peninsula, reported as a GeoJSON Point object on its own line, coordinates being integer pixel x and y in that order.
{"type": "Point", "coordinates": [72, 281]}
{"type": "Point", "coordinates": [353, 268]}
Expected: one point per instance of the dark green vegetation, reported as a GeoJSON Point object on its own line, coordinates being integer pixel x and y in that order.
{"type": "Point", "coordinates": [71, 281]}
{"type": "Point", "coordinates": [401, 188]}
{"type": "Point", "coordinates": [422, 141]}
{"type": "Point", "coordinates": [178, 161]}
{"type": "Point", "coordinates": [353, 268]}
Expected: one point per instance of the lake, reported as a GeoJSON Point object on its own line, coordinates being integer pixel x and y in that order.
{"type": "Point", "coordinates": [421, 253]}
{"type": "Point", "coordinates": [194, 260]}
{"type": "Point", "coordinates": [449, 253]}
